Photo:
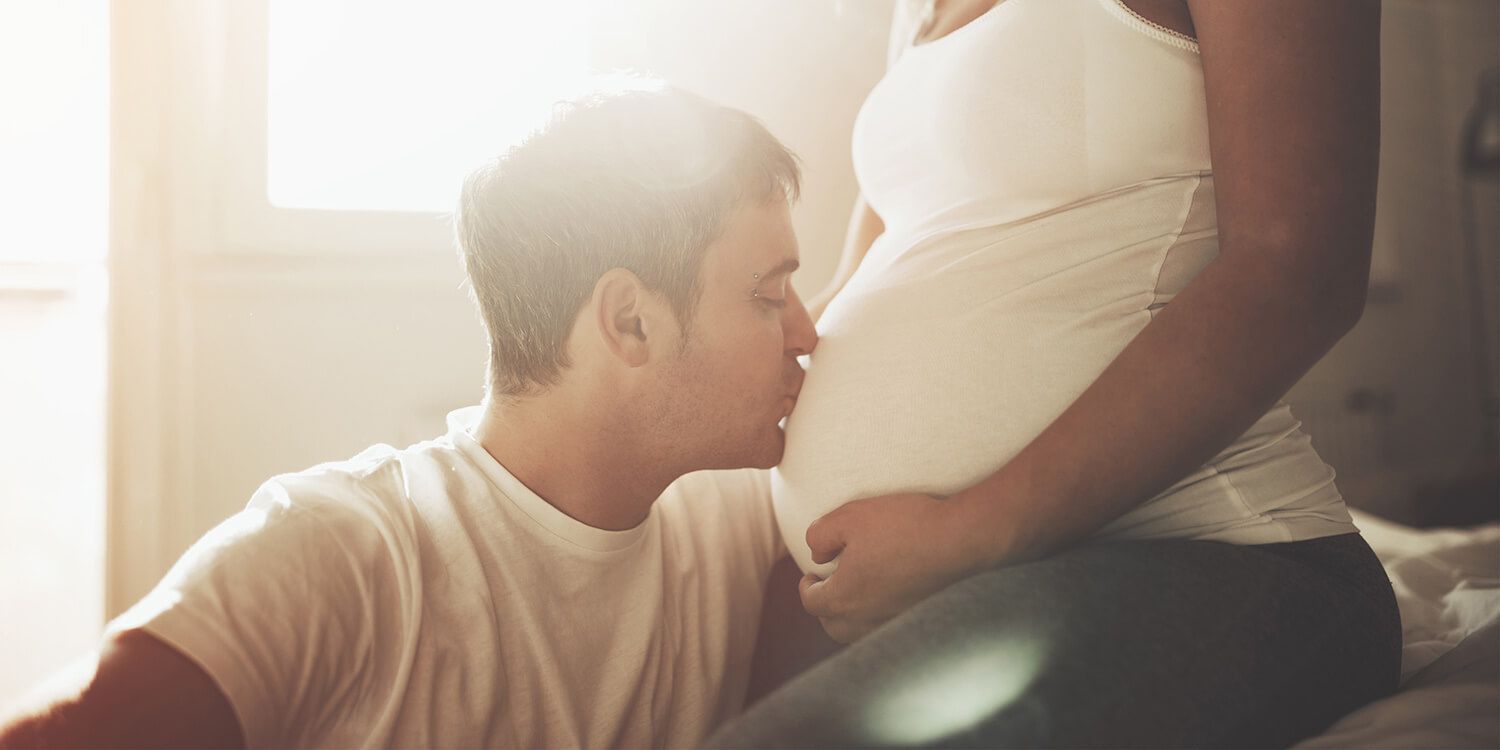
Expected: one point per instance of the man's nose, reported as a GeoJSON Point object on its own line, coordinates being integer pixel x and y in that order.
{"type": "Point", "coordinates": [800, 334]}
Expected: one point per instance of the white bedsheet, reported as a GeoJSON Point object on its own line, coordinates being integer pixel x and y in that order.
{"type": "Point", "coordinates": [1447, 584]}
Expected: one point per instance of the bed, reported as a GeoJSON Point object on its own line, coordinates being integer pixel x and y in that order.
{"type": "Point", "coordinates": [1447, 584]}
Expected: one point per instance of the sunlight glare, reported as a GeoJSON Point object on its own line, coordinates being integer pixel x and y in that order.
{"type": "Point", "coordinates": [387, 105]}
{"type": "Point", "coordinates": [952, 692]}
{"type": "Point", "coordinates": [54, 133]}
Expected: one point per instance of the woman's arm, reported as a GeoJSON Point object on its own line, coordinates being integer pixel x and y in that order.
{"type": "Point", "coordinates": [864, 227]}
{"type": "Point", "coordinates": [1293, 94]}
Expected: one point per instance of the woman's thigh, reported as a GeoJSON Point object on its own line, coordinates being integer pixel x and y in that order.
{"type": "Point", "coordinates": [1170, 643]}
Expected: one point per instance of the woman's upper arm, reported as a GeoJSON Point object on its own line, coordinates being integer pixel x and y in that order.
{"type": "Point", "coordinates": [1293, 91]}
{"type": "Point", "coordinates": [864, 226]}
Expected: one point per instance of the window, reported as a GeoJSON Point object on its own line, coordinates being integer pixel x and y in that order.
{"type": "Point", "coordinates": [385, 106]}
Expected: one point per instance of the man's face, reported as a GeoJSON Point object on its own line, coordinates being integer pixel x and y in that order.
{"type": "Point", "coordinates": [737, 376]}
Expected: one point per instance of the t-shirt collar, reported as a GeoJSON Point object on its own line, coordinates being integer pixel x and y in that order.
{"type": "Point", "coordinates": [460, 425]}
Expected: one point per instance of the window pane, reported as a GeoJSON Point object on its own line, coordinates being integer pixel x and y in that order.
{"type": "Point", "coordinates": [386, 105]}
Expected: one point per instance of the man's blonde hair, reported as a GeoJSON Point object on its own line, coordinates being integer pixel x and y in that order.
{"type": "Point", "coordinates": [642, 178]}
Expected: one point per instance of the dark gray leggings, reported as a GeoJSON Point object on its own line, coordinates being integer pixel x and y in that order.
{"type": "Point", "coordinates": [1124, 644]}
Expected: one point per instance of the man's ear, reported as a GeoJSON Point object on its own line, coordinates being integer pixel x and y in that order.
{"type": "Point", "coordinates": [632, 321]}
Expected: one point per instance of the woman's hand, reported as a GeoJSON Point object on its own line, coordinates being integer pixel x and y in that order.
{"type": "Point", "coordinates": [893, 551]}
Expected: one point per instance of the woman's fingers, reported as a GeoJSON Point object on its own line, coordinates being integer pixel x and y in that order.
{"type": "Point", "coordinates": [825, 538]}
{"type": "Point", "coordinates": [846, 630]}
{"type": "Point", "coordinates": [815, 595]}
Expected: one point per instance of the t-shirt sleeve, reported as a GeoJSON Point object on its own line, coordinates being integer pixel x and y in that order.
{"type": "Point", "coordinates": [280, 605]}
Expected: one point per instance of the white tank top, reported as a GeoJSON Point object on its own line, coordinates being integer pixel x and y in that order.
{"type": "Point", "coordinates": [1043, 173]}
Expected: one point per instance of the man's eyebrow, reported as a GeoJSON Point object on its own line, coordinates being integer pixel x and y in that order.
{"type": "Point", "coordinates": [781, 269]}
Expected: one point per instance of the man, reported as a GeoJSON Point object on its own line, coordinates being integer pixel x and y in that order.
{"type": "Point", "coordinates": [530, 579]}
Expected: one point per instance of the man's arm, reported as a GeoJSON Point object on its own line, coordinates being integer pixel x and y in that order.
{"type": "Point", "coordinates": [143, 693]}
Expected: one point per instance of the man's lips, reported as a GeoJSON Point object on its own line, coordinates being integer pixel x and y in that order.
{"type": "Point", "coordinates": [794, 382]}
{"type": "Point", "coordinates": [789, 399]}
{"type": "Point", "coordinates": [788, 403]}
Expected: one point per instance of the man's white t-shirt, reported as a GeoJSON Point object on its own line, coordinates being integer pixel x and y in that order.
{"type": "Point", "coordinates": [425, 597]}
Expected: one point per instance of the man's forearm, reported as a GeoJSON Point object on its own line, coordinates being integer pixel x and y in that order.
{"type": "Point", "coordinates": [139, 692]}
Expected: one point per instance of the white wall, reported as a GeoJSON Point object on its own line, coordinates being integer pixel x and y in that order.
{"type": "Point", "coordinates": [1395, 407]}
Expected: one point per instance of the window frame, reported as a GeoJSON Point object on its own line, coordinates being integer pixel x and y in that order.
{"type": "Point", "coordinates": [245, 220]}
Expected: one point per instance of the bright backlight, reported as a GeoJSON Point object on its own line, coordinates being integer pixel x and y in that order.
{"type": "Point", "coordinates": [54, 130]}
{"type": "Point", "coordinates": [386, 105]}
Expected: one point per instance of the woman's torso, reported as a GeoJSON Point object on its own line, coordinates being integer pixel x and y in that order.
{"type": "Point", "coordinates": [1043, 173]}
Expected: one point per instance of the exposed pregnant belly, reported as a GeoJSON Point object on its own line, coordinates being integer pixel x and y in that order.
{"type": "Point", "coordinates": [942, 359]}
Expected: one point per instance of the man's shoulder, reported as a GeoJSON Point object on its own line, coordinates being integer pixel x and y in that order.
{"type": "Point", "coordinates": [366, 490]}
{"type": "Point", "coordinates": [347, 520]}
{"type": "Point", "coordinates": [375, 471]}
{"type": "Point", "coordinates": [334, 548]}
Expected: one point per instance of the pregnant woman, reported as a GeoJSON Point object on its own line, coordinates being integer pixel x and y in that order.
{"type": "Point", "coordinates": [1039, 470]}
